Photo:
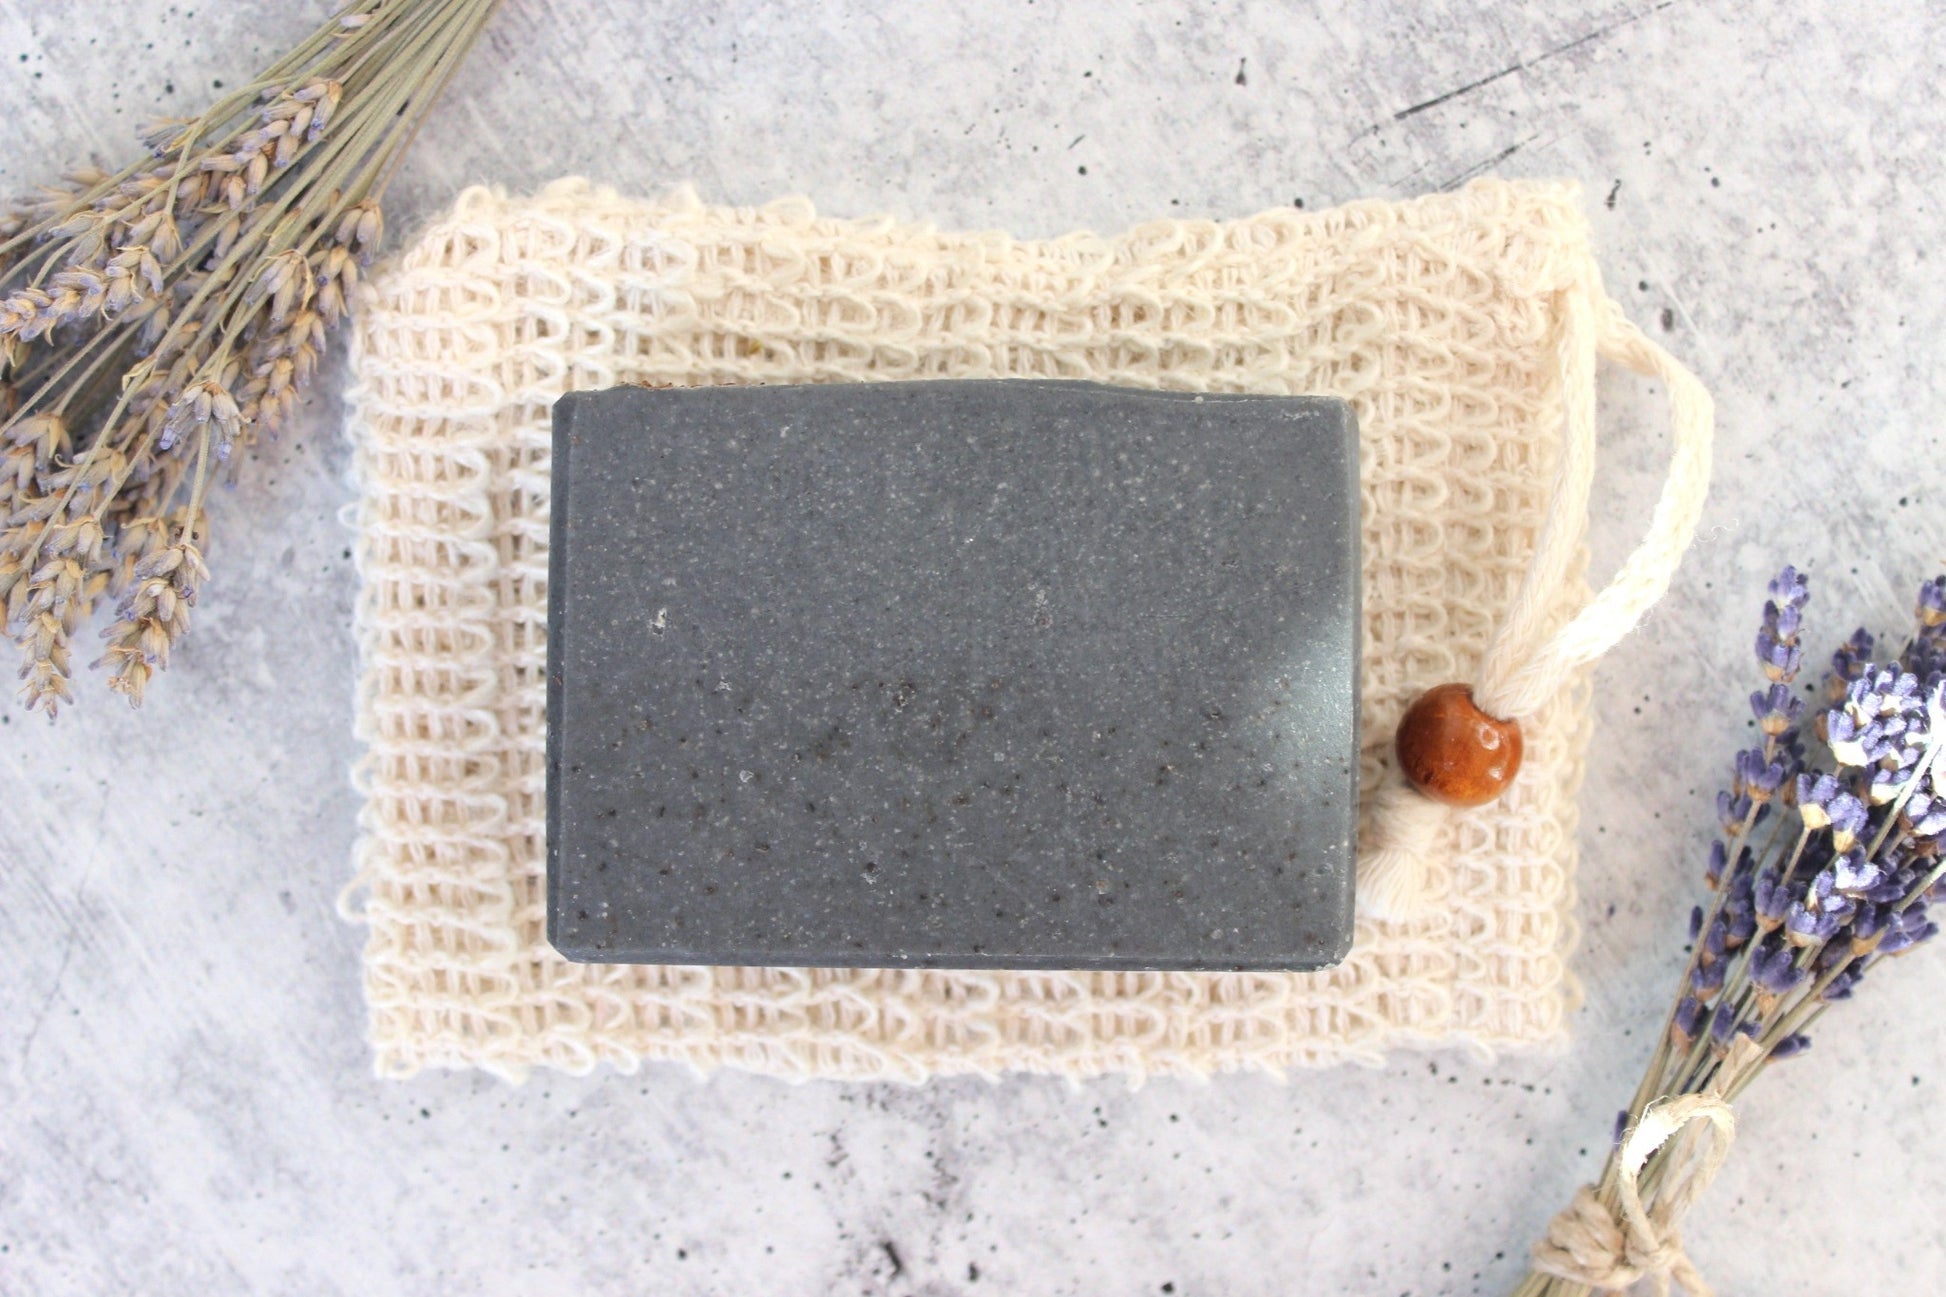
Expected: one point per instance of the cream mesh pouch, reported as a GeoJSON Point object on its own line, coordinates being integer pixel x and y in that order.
{"type": "Point", "coordinates": [1463, 328]}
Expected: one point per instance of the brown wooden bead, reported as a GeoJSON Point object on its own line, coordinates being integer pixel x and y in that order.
{"type": "Point", "coordinates": [1455, 753]}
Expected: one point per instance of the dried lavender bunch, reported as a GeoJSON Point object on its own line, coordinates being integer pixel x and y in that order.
{"type": "Point", "coordinates": [1828, 857]}
{"type": "Point", "coordinates": [156, 320]}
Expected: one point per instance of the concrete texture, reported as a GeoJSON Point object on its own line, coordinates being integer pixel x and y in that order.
{"type": "Point", "coordinates": [952, 675]}
{"type": "Point", "coordinates": [185, 1104]}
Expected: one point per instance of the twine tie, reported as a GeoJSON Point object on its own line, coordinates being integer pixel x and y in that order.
{"type": "Point", "coordinates": [1589, 1243]}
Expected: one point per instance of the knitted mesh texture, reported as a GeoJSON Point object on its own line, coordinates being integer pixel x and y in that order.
{"type": "Point", "coordinates": [1438, 319]}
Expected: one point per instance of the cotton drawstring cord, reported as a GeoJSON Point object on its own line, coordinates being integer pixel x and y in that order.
{"type": "Point", "coordinates": [1524, 665]}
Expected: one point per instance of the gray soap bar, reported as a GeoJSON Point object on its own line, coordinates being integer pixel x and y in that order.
{"type": "Point", "coordinates": [952, 674]}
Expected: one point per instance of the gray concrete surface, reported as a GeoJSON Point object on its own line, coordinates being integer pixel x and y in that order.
{"type": "Point", "coordinates": [185, 1100]}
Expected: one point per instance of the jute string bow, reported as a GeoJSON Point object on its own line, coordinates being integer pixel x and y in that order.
{"type": "Point", "coordinates": [1587, 1243]}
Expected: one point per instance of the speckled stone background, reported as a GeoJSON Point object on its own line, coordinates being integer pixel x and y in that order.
{"type": "Point", "coordinates": [185, 1102]}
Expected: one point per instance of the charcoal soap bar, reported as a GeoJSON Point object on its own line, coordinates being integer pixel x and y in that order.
{"type": "Point", "coordinates": [1007, 674]}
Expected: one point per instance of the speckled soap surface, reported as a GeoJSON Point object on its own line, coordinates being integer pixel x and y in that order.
{"type": "Point", "coordinates": [1008, 674]}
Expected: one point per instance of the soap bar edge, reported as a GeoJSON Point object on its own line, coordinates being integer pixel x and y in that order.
{"type": "Point", "coordinates": [561, 439]}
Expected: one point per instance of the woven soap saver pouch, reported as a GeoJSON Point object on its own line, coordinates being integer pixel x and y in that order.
{"type": "Point", "coordinates": [1526, 663]}
{"type": "Point", "coordinates": [1464, 328]}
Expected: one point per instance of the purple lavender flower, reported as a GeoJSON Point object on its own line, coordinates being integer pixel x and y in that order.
{"type": "Point", "coordinates": [1724, 1028]}
{"type": "Point", "coordinates": [1788, 749]}
{"type": "Point", "coordinates": [1722, 1025]}
{"type": "Point", "coordinates": [1771, 899]}
{"type": "Point", "coordinates": [1926, 655]}
{"type": "Point", "coordinates": [1849, 663]}
{"type": "Point", "coordinates": [1848, 819]}
{"type": "Point", "coordinates": [1932, 603]}
{"type": "Point", "coordinates": [1815, 794]}
{"type": "Point", "coordinates": [1925, 812]}
{"type": "Point", "coordinates": [1882, 718]}
{"type": "Point", "coordinates": [1706, 978]}
{"type": "Point", "coordinates": [1779, 659]}
{"type": "Point", "coordinates": [1891, 889]}
{"type": "Point", "coordinates": [1867, 926]}
{"type": "Point", "coordinates": [1888, 781]}
{"type": "Point", "coordinates": [1719, 859]}
{"type": "Point", "coordinates": [1695, 921]}
{"type": "Point", "coordinates": [1757, 777]}
{"type": "Point", "coordinates": [1825, 897]}
{"type": "Point", "coordinates": [1732, 811]}
{"type": "Point", "coordinates": [1790, 1046]}
{"type": "Point", "coordinates": [1907, 929]}
{"type": "Point", "coordinates": [1790, 589]}
{"type": "Point", "coordinates": [1848, 736]}
{"type": "Point", "coordinates": [1808, 927]}
{"type": "Point", "coordinates": [1854, 874]}
{"type": "Point", "coordinates": [1777, 709]}
{"type": "Point", "coordinates": [1717, 943]}
{"type": "Point", "coordinates": [1688, 1022]}
{"type": "Point", "coordinates": [1739, 913]}
{"type": "Point", "coordinates": [1777, 648]}
{"type": "Point", "coordinates": [1773, 968]}
{"type": "Point", "coordinates": [1841, 984]}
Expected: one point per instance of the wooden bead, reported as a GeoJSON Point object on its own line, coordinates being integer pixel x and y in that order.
{"type": "Point", "coordinates": [1455, 753]}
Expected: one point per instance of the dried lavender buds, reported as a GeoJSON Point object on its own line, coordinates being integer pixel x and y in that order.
{"type": "Point", "coordinates": [1831, 849]}
{"type": "Point", "coordinates": [155, 321]}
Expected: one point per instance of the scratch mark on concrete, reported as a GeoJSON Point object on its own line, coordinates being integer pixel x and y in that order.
{"type": "Point", "coordinates": [47, 1002]}
{"type": "Point", "coordinates": [1466, 89]}
{"type": "Point", "coordinates": [1492, 162]}
{"type": "Point", "coordinates": [1525, 64]}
